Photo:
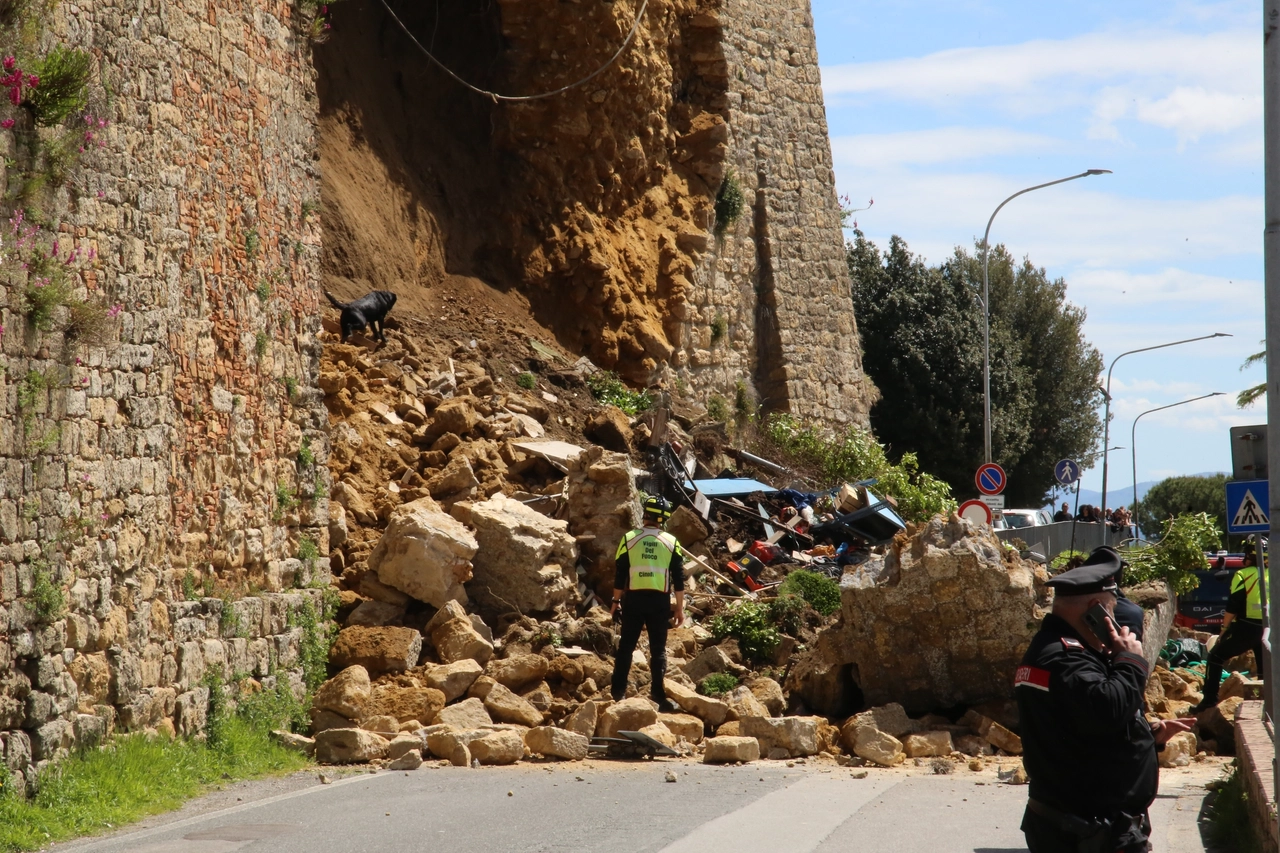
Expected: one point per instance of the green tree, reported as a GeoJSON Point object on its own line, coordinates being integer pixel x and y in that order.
{"type": "Point", "coordinates": [1249, 396]}
{"type": "Point", "coordinates": [1176, 496]}
{"type": "Point", "coordinates": [922, 345]}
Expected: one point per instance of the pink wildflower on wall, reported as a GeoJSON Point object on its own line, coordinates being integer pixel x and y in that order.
{"type": "Point", "coordinates": [7, 123]}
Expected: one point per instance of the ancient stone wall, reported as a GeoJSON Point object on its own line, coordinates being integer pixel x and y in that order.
{"type": "Point", "coordinates": [770, 306]}
{"type": "Point", "coordinates": [148, 486]}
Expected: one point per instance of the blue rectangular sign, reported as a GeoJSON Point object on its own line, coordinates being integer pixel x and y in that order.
{"type": "Point", "coordinates": [1248, 505]}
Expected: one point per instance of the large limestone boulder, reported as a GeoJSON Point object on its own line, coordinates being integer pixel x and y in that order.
{"type": "Point", "coordinates": [454, 679]}
{"type": "Point", "coordinates": [583, 720]}
{"type": "Point", "coordinates": [603, 504]}
{"type": "Point", "coordinates": [705, 708]}
{"type": "Point", "coordinates": [941, 620]}
{"type": "Point", "coordinates": [424, 553]}
{"type": "Point", "coordinates": [525, 559]}
{"type": "Point", "coordinates": [557, 743]}
{"type": "Point", "coordinates": [684, 726]}
{"type": "Point", "coordinates": [444, 741]}
{"type": "Point", "coordinates": [455, 637]}
{"type": "Point", "coordinates": [743, 703]}
{"type": "Point", "coordinates": [891, 719]}
{"type": "Point", "coordinates": [378, 650]}
{"type": "Point", "coordinates": [346, 694]}
{"type": "Point", "coordinates": [406, 703]}
{"type": "Point", "coordinates": [349, 746]}
{"type": "Point", "coordinates": [506, 707]}
{"type": "Point", "coordinates": [874, 745]}
{"type": "Point", "coordinates": [1179, 751]}
{"type": "Point", "coordinates": [798, 736]}
{"type": "Point", "coordinates": [727, 750]}
{"type": "Point", "coordinates": [502, 747]}
{"type": "Point", "coordinates": [629, 715]}
{"type": "Point", "coordinates": [467, 714]}
{"type": "Point", "coordinates": [928, 745]}
{"type": "Point", "coordinates": [769, 694]}
{"type": "Point", "coordinates": [518, 671]}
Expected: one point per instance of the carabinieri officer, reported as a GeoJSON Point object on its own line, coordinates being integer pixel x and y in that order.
{"type": "Point", "coordinates": [1089, 752]}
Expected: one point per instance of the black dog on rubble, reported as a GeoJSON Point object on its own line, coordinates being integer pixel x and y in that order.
{"type": "Point", "coordinates": [368, 310]}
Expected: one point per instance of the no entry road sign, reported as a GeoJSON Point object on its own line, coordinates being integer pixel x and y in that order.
{"type": "Point", "coordinates": [990, 479]}
{"type": "Point", "coordinates": [1248, 505]}
{"type": "Point", "coordinates": [1066, 472]}
{"type": "Point", "coordinates": [975, 511]}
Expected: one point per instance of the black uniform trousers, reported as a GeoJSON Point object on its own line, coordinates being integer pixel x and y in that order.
{"type": "Point", "coordinates": [1240, 636]}
{"type": "Point", "coordinates": [1122, 834]}
{"type": "Point", "coordinates": [643, 609]}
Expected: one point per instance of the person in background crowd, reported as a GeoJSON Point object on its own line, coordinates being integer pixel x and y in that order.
{"type": "Point", "coordinates": [1063, 514]}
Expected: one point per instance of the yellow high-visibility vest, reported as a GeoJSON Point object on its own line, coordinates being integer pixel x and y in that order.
{"type": "Point", "coordinates": [1247, 579]}
{"type": "Point", "coordinates": [650, 552]}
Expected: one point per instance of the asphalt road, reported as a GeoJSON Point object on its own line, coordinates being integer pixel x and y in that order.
{"type": "Point", "coordinates": [598, 806]}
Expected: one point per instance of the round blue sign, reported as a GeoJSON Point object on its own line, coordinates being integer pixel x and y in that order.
{"type": "Point", "coordinates": [1066, 472]}
{"type": "Point", "coordinates": [990, 479]}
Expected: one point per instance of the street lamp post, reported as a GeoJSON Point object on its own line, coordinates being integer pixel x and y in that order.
{"type": "Point", "coordinates": [1133, 448]}
{"type": "Point", "coordinates": [1106, 394]}
{"type": "Point", "coordinates": [986, 306]}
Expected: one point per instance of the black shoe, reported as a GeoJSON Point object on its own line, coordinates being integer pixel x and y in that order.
{"type": "Point", "coordinates": [617, 697]}
{"type": "Point", "coordinates": [665, 706]}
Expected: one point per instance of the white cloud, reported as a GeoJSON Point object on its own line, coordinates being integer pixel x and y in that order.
{"type": "Point", "coordinates": [933, 146]}
{"type": "Point", "coordinates": [1194, 84]}
{"type": "Point", "coordinates": [1124, 288]}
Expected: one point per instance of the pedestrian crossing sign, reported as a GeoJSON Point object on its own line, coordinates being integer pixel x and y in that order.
{"type": "Point", "coordinates": [1248, 506]}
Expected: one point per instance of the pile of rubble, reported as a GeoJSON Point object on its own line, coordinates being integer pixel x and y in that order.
{"type": "Point", "coordinates": [473, 529]}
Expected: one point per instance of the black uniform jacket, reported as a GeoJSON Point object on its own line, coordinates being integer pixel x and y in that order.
{"type": "Point", "coordinates": [1086, 746]}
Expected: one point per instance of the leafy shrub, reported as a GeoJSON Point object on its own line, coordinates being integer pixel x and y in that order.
{"type": "Point", "coordinates": [719, 326]}
{"type": "Point", "coordinates": [1178, 554]}
{"type": "Point", "coordinates": [263, 290]}
{"type": "Point", "coordinates": [42, 296]}
{"type": "Point", "coordinates": [47, 598]}
{"type": "Point", "coordinates": [251, 244]}
{"type": "Point", "coordinates": [189, 592]}
{"type": "Point", "coordinates": [64, 74]}
{"type": "Point", "coordinates": [785, 612]}
{"type": "Point", "coordinates": [717, 684]}
{"type": "Point", "coordinates": [306, 456]}
{"type": "Point", "coordinates": [229, 620]}
{"type": "Point", "coordinates": [308, 550]}
{"type": "Point", "coordinates": [89, 323]}
{"type": "Point", "coordinates": [526, 381]}
{"type": "Point", "coordinates": [821, 592]}
{"type": "Point", "coordinates": [318, 633]}
{"type": "Point", "coordinates": [748, 622]}
{"type": "Point", "coordinates": [730, 202]}
{"type": "Point", "coordinates": [854, 455]}
{"type": "Point", "coordinates": [717, 408]}
{"type": "Point", "coordinates": [260, 343]}
{"type": "Point", "coordinates": [606, 387]}
{"type": "Point", "coordinates": [286, 499]}
{"type": "Point", "coordinates": [290, 388]}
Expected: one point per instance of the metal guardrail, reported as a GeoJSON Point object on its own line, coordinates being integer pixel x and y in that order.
{"type": "Point", "coordinates": [1052, 539]}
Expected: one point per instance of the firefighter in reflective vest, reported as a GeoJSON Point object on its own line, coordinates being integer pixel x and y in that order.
{"type": "Point", "coordinates": [650, 566]}
{"type": "Point", "coordinates": [1241, 627]}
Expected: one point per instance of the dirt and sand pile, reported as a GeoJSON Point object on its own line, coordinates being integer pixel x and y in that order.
{"type": "Point", "coordinates": [594, 205]}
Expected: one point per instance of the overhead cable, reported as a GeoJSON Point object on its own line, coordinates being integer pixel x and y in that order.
{"type": "Point", "coordinates": [497, 97]}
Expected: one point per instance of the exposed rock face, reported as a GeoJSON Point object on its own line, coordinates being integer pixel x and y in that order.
{"type": "Point", "coordinates": [941, 620]}
{"type": "Point", "coordinates": [525, 560]}
{"type": "Point", "coordinates": [603, 504]}
{"type": "Point", "coordinates": [424, 553]}
{"type": "Point", "coordinates": [378, 650]}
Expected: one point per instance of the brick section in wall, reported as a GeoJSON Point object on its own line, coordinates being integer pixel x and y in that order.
{"type": "Point", "coordinates": [776, 281]}
{"type": "Point", "coordinates": [176, 452]}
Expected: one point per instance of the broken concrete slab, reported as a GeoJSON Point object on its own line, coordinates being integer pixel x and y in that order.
{"type": "Point", "coordinates": [424, 553]}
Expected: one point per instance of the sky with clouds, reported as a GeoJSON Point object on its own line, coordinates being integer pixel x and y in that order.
{"type": "Point", "coordinates": [939, 109]}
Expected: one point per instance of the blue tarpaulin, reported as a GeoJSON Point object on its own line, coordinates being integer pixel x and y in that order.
{"type": "Point", "coordinates": [734, 487]}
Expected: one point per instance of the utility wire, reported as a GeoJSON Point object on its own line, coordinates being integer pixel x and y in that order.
{"type": "Point", "coordinates": [497, 97]}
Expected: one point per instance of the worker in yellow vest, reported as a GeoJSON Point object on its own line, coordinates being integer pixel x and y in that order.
{"type": "Point", "coordinates": [1241, 627]}
{"type": "Point", "coordinates": [650, 567]}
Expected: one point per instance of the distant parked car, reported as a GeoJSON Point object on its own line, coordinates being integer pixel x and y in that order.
{"type": "Point", "coordinates": [1202, 608]}
{"type": "Point", "coordinates": [1019, 518]}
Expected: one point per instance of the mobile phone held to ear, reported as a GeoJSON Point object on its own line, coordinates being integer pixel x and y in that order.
{"type": "Point", "coordinates": [1096, 617]}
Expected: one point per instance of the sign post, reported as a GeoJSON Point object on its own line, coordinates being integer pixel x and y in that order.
{"type": "Point", "coordinates": [1066, 472]}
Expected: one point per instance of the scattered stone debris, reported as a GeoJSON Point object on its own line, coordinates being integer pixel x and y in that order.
{"type": "Point", "coordinates": [473, 533]}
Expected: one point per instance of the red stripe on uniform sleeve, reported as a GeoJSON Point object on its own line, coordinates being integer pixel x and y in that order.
{"type": "Point", "coordinates": [1031, 676]}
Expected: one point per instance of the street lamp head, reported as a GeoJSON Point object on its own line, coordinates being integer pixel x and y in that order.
{"type": "Point", "coordinates": [1221, 335]}
{"type": "Point", "coordinates": [1098, 172]}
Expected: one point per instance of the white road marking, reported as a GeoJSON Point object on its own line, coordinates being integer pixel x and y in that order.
{"type": "Point", "coordinates": [795, 818]}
